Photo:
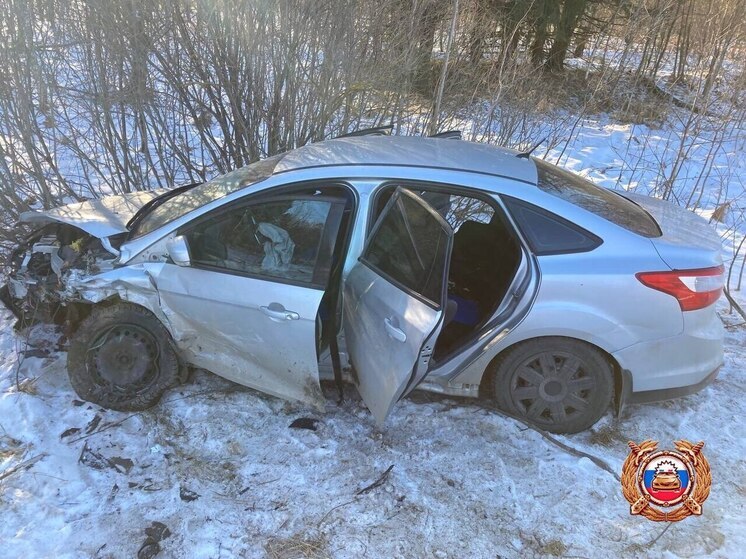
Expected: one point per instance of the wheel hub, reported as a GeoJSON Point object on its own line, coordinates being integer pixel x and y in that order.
{"type": "Point", "coordinates": [124, 356]}
{"type": "Point", "coordinates": [552, 389]}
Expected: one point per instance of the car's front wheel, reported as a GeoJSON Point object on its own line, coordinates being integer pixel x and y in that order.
{"type": "Point", "coordinates": [121, 358]}
{"type": "Point", "coordinates": [558, 384]}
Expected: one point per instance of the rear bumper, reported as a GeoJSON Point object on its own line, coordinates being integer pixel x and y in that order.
{"type": "Point", "coordinates": [670, 393]}
{"type": "Point", "coordinates": [675, 366]}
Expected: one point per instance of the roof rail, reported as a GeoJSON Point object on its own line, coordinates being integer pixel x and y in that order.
{"type": "Point", "coordinates": [377, 131]}
{"type": "Point", "coordinates": [448, 135]}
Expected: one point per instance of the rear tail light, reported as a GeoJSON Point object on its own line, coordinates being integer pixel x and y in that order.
{"type": "Point", "coordinates": [693, 289]}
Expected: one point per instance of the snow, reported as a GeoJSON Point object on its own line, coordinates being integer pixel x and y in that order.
{"type": "Point", "coordinates": [639, 158]}
{"type": "Point", "coordinates": [466, 481]}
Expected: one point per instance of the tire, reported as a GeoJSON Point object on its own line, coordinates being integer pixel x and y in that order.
{"type": "Point", "coordinates": [560, 385]}
{"type": "Point", "coordinates": [121, 357]}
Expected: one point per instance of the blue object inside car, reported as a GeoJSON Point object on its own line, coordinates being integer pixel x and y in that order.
{"type": "Point", "coordinates": [467, 311]}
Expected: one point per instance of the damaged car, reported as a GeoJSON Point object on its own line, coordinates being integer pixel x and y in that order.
{"type": "Point", "coordinates": [393, 263]}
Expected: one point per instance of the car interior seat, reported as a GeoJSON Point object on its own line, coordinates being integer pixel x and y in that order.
{"type": "Point", "coordinates": [485, 256]}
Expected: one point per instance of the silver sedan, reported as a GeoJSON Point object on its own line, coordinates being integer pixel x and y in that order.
{"type": "Point", "coordinates": [394, 263]}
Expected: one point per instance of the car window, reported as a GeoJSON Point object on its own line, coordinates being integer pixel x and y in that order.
{"type": "Point", "coordinates": [278, 239]}
{"type": "Point", "coordinates": [409, 246]}
{"type": "Point", "coordinates": [454, 208]}
{"type": "Point", "coordinates": [548, 233]}
{"type": "Point", "coordinates": [601, 201]}
{"type": "Point", "coordinates": [203, 194]}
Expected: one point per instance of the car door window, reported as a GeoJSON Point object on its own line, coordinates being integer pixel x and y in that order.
{"type": "Point", "coordinates": [456, 209]}
{"type": "Point", "coordinates": [279, 239]}
{"type": "Point", "coordinates": [409, 248]}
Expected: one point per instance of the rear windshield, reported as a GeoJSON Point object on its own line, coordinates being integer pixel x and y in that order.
{"type": "Point", "coordinates": [600, 201]}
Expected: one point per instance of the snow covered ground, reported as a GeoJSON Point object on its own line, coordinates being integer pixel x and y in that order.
{"type": "Point", "coordinates": [219, 466]}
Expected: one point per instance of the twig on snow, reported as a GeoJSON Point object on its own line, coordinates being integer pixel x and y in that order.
{"type": "Point", "coordinates": [659, 536]}
{"type": "Point", "coordinates": [579, 453]}
{"type": "Point", "coordinates": [21, 354]}
{"type": "Point", "coordinates": [104, 428]}
{"type": "Point", "coordinates": [23, 465]}
{"type": "Point", "coordinates": [380, 481]}
{"type": "Point", "coordinates": [331, 510]}
{"type": "Point", "coordinates": [107, 426]}
{"type": "Point", "coordinates": [567, 448]}
{"type": "Point", "coordinates": [734, 304]}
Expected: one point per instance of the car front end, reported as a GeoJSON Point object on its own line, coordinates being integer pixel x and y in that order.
{"type": "Point", "coordinates": [69, 244]}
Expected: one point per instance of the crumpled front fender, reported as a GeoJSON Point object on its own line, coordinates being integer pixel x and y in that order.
{"type": "Point", "coordinates": [131, 283]}
{"type": "Point", "coordinates": [134, 284]}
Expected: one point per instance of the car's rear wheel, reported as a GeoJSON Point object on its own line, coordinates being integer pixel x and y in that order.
{"type": "Point", "coordinates": [558, 384]}
{"type": "Point", "coordinates": [121, 358]}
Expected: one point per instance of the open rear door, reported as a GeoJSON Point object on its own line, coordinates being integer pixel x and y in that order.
{"type": "Point", "coordinates": [394, 300]}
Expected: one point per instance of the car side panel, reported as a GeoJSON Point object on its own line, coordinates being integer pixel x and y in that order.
{"type": "Point", "coordinates": [593, 297]}
{"type": "Point", "coordinates": [218, 322]}
{"type": "Point", "coordinates": [556, 310]}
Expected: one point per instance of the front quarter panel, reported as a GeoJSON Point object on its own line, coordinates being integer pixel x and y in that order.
{"type": "Point", "coordinates": [130, 283]}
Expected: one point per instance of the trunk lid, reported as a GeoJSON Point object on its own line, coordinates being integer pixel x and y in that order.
{"type": "Point", "coordinates": [100, 218]}
{"type": "Point", "coordinates": [688, 241]}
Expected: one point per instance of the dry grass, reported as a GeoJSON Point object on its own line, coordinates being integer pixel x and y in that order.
{"type": "Point", "coordinates": [554, 548]}
{"type": "Point", "coordinates": [298, 546]}
{"type": "Point", "coordinates": [607, 436]}
{"type": "Point", "coordinates": [10, 447]}
{"type": "Point", "coordinates": [28, 386]}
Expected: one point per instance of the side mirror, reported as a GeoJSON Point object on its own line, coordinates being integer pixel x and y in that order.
{"type": "Point", "coordinates": [178, 250]}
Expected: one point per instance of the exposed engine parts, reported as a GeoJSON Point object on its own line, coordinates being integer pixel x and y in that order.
{"type": "Point", "coordinates": [41, 266]}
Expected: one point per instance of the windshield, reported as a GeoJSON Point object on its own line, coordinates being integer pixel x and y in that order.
{"type": "Point", "coordinates": [198, 196]}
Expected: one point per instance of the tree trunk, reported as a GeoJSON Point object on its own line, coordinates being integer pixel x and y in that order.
{"type": "Point", "coordinates": [568, 21]}
{"type": "Point", "coordinates": [537, 45]}
{"type": "Point", "coordinates": [432, 14]}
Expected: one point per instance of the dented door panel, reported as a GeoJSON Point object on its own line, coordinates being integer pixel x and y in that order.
{"type": "Point", "coordinates": [258, 333]}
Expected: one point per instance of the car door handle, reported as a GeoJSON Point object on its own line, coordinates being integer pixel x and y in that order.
{"type": "Point", "coordinates": [394, 331]}
{"type": "Point", "coordinates": [278, 312]}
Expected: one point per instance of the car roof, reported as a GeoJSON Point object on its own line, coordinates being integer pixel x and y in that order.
{"type": "Point", "coordinates": [411, 151]}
